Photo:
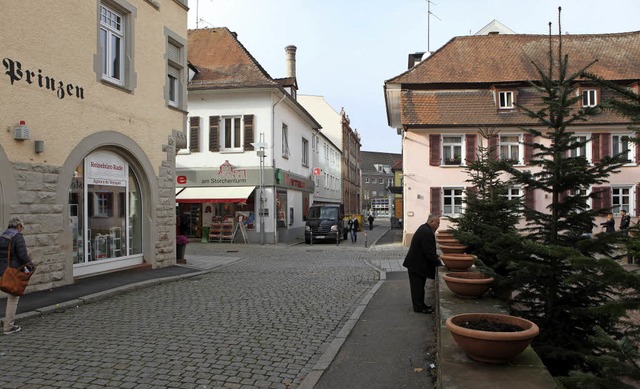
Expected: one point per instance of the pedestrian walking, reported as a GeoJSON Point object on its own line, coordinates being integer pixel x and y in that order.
{"type": "Point", "coordinates": [13, 239]}
{"type": "Point", "coordinates": [421, 262]}
{"type": "Point", "coordinates": [625, 220]}
{"type": "Point", "coordinates": [353, 227]}
{"type": "Point", "coordinates": [370, 219]}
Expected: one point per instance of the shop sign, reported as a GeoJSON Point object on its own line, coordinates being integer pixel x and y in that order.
{"type": "Point", "coordinates": [105, 168]}
{"type": "Point", "coordinates": [225, 175]}
{"type": "Point", "coordinates": [13, 69]}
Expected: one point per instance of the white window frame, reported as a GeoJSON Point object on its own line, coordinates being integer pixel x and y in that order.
{"type": "Point", "coordinates": [505, 99]}
{"type": "Point", "coordinates": [112, 26]}
{"type": "Point", "coordinates": [584, 192]}
{"type": "Point", "coordinates": [617, 143]}
{"type": "Point", "coordinates": [516, 193]}
{"type": "Point", "coordinates": [513, 147]}
{"type": "Point", "coordinates": [305, 152]}
{"type": "Point", "coordinates": [455, 197]}
{"type": "Point", "coordinates": [236, 133]}
{"type": "Point", "coordinates": [366, 180]}
{"type": "Point", "coordinates": [584, 150]}
{"type": "Point", "coordinates": [452, 148]}
{"type": "Point", "coordinates": [175, 73]}
{"type": "Point", "coordinates": [622, 198]}
{"type": "Point", "coordinates": [285, 141]}
{"type": "Point", "coordinates": [589, 97]}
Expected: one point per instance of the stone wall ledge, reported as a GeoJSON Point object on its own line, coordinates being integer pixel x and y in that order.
{"type": "Point", "coordinates": [457, 371]}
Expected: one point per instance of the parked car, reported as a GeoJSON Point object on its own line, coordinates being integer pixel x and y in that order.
{"type": "Point", "coordinates": [324, 222]}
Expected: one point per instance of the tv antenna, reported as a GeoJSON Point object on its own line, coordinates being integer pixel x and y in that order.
{"type": "Point", "coordinates": [429, 13]}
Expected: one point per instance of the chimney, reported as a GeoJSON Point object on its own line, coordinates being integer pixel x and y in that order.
{"type": "Point", "coordinates": [291, 60]}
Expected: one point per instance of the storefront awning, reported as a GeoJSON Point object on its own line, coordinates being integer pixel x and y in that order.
{"type": "Point", "coordinates": [212, 194]}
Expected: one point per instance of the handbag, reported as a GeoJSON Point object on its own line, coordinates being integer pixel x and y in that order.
{"type": "Point", "coordinates": [14, 280]}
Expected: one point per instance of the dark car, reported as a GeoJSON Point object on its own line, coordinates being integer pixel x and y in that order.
{"type": "Point", "coordinates": [324, 222]}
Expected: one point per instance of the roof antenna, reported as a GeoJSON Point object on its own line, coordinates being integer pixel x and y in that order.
{"type": "Point", "coordinates": [429, 13]}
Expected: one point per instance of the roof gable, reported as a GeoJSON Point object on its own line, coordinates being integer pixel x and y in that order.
{"type": "Point", "coordinates": [223, 62]}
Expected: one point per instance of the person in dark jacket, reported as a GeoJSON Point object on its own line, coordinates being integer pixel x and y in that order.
{"type": "Point", "coordinates": [421, 262]}
{"type": "Point", "coordinates": [353, 227]}
{"type": "Point", "coordinates": [625, 220]}
{"type": "Point", "coordinates": [370, 219]}
{"type": "Point", "coordinates": [19, 256]}
{"type": "Point", "coordinates": [609, 225]}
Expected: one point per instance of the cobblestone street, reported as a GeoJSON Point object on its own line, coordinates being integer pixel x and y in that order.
{"type": "Point", "coordinates": [261, 320]}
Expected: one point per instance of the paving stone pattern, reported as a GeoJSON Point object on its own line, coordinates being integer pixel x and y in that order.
{"type": "Point", "coordinates": [261, 322]}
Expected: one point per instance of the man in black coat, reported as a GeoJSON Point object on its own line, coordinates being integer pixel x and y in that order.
{"type": "Point", "coordinates": [421, 262]}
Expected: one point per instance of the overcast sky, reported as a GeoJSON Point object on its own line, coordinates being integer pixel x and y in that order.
{"type": "Point", "coordinates": [348, 48]}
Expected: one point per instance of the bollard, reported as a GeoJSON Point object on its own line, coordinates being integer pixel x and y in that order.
{"type": "Point", "coordinates": [337, 238]}
{"type": "Point", "coordinates": [311, 237]}
{"type": "Point", "coordinates": [365, 239]}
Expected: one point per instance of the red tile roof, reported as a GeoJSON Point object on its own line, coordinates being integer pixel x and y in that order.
{"type": "Point", "coordinates": [454, 86]}
{"type": "Point", "coordinates": [510, 58]}
{"type": "Point", "coordinates": [223, 62]}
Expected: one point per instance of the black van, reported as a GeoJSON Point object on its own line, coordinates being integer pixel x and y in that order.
{"type": "Point", "coordinates": [324, 222]}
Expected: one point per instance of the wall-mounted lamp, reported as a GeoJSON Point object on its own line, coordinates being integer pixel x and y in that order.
{"type": "Point", "coordinates": [21, 131]}
{"type": "Point", "coordinates": [39, 145]}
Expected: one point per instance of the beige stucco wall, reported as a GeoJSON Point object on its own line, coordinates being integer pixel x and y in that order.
{"type": "Point", "coordinates": [60, 40]}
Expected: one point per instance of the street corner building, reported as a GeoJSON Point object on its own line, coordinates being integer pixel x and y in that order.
{"type": "Point", "coordinates": [94, 110]}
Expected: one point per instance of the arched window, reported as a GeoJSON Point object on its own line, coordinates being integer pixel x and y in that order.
{"type": "Point", "coordinates": [105, 209]}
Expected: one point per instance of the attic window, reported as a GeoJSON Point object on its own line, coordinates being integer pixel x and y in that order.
{"type": "Point", "coordinates": [505, 100]}
{"type": "Point", "coordinates": [589, 97]}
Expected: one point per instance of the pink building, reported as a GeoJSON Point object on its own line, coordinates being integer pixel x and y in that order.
{"type": "Point", "coordinates": [474, 82]}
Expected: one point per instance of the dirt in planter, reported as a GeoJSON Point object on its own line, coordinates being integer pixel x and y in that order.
{"type": "Point", "coordinates": [488, 325]}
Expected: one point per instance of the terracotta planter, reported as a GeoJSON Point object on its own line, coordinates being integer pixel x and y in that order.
{"type": "Point", "coordinates": [444, 235]}
{"type": "Point", "coordinates": [468, 284]}
{"type": "Point", "coordinates": [447, 241]}
{"type": "Point", "coordinates": [452, 248]}
{"type": "Point", "coordinates": [458, 262]}
{"type": "Point", "coordinates": [491, 346]}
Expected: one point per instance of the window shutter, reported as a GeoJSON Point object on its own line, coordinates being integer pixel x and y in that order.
{"type": "Point", "coordinates": [605, 145]}
{"type": "Point", "coordinates": [173, 53]}
{"type": "Point", "coordinates": [194, 134]}
{"type": "Point", "coordinates": [493, 146]}
{"type": "Point", "coordinates": [434, 150]}
{"type": "Point", "coordinates": [637, 147]}
{"type": "Point", "coordinates": [528, 148]}
{"type": "Point", "coordinates": [602, 199]}
{"type": "Point", "coordinates": [435, 201]}
{"type": "Point", "coordinates": [595, 148]}
{"type": "Point", "coordinates": [214, 133]}
{"type": "Point", "coordinates": [530, 199]}
{"type": "Point", "coordinates": [248, 133]}
{"type": "Point", "coordinates": [471, 146]}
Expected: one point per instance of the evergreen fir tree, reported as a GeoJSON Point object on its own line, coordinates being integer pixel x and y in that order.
{"type": "Point", "coordinates": [571, 286]}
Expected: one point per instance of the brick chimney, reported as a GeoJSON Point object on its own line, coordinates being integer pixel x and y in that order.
{"type": "Point", "coordinates": [291, 60]}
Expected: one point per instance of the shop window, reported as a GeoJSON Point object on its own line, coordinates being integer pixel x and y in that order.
{"type": "Point", "coordinates": [105, 209]}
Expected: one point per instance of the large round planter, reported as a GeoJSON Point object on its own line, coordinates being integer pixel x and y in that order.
{"type": "Point", "coordinates": [468, 284]}
{"type": "Point", "coordinates": [458, 262]}
{"type": "Point", "coordinates": [444, 235]}
{"type": "Point", "coordinates": [452, 248]}
{"type": "Point", "coordinates": [491, 346]}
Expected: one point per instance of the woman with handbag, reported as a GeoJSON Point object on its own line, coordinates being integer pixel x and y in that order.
{"type": "Point", "coordinates": [13, 252]}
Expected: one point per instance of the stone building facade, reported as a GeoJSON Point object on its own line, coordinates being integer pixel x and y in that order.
{"type": "Point", "coordinates": [92, 130]}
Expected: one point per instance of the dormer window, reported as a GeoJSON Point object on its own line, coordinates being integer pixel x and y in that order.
{"type": "Point", "coordinates": [589, 97]}
{"type": "Point", "coordinates": [505, 99]}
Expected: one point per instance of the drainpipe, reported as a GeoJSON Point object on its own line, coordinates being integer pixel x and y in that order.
{"type": "Point", "coordinates": [273, 163]}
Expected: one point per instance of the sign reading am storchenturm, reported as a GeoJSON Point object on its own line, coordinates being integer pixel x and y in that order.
{"type": "Point", "coordinates": [13, 69]}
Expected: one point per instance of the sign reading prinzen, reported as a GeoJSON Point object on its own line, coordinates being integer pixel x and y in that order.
{"type": "Point", "coordinates": [15, 72]}
{"type": "Point", "coordinates": [105, 168]}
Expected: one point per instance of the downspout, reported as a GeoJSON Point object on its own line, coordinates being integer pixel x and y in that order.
{"type": "Point", "coordinates": [273, 163]}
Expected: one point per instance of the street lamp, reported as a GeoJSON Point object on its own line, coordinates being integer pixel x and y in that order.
{"type": "Point", "coordinates": [260, 146]}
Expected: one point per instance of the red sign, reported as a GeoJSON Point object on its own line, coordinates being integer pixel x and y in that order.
{"type": "Point", "coordinates": [316, 171]}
